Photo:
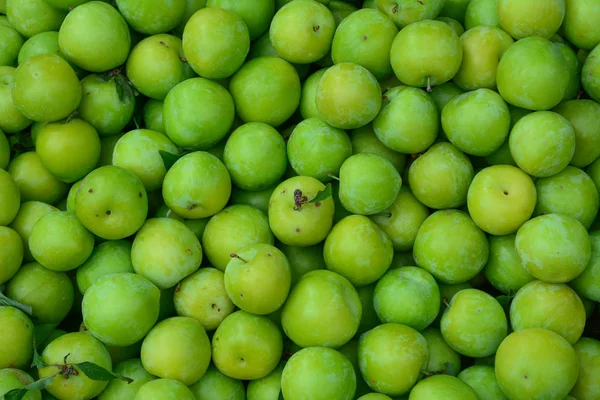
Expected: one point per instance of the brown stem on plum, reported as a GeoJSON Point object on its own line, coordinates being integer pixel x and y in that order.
{"type": "Point", "coordinates": [233, 255]}
{"type": "Point", "coordinates": [183, 59]}
{"type": "Point", "coordinates": [164, 44]}
{"type": "Point", "coordinates": [70, 117]}
{"type": "Point", "coordinates": [416, 155]}
{"type": "Point", "coordinates": [316, 28]}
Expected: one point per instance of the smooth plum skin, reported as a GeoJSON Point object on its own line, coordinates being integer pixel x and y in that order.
{"type": "Point", "coordinates": [13, 42]}
{"type": "Point", "coordinates": [404, 13]}
{"type": "Point", "coordinates": [587, 284]}
{"type": "Point", "coordinates": [12, 378]}
{"type": "Point", "coordinates": [534, 18]}
{"type": "Point", "coordinates": [216, 385]}
{"type": "Point", "coordinates": [152, 17]}
{"type": "Point", "coordinates": [16, 329]}
{"type": "Point", "coordinates": [10, 198]}
{"type": "Point", "coordinates": [29, 214]}
{"type": "Point", "coordinates": [265, 388]}
{"type": "Point", "coordinates": [443, 386]}
{"type": "Point", "coordinates": [121, 390]}
{"type": "Point", "coordinates": [109, 257]}
{"type": "Point", "coordinates": [11, 119]}
{"type": "Point", "coordinates": [257, 15]}
{"type": "Point", "coordinates": [482, 379]}
{"type": "Point", "coordinates": [588, 353]}
{"type": "Point", "coordinates": [308, 105]}
{"type": "Point", "coordinates": [364, 140]}
{"type": "Point", "coordinates": [440, 353]}
{"type": "Point", "coordinates": [164, 389]}
{"type": "Point", "coordinates": [482, 12]}
{"type": "Point", "coordinates": [153, 115]}
{"type": "Point", "coordinates": [503, 268]}
{"type": "Point", "coordinates": [579, 25]}
{"type": "Point", "coordinates": [11, 253]}
{"type": "Point", "coordinates": [30, 17]}
{"type": "Point", "coordinates": [582, 114]}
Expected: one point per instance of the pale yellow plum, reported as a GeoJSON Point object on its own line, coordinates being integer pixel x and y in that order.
{"type": "Point", "coordinates": [531, 18]}
{"type": "Point", "coordinates": [16, 329]}
{"type": "Point", "coordinates": [503, 268]}
{"type": "Point", "coordinates": [482, 379]}
{"type": "Point", "coordinates": [553, 306]}
{"type": "Point", "coordinates": [364, 140]}
{"type": "Point", "coordinates": [587, 386]}
{"type": "Point", "coordinates": [580, 25]}
{"type": "Point", "coordinates": [441, 356]}
{"type": "Point", "coordinates": [442, 387]}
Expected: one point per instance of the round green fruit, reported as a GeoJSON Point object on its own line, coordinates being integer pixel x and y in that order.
{"type": "Point", "coordinates": [16, 348]}
{"type": "Point", "coordinates": [121, 390]}
{"type": "Point", "coordinates": [403, 13]}
{"type": "Point", "coordinates": [215, 385]}
{"type": "Point", "coordinates": [107, 258]}
{"type": "Point", "coordinates": [443, 387]}
{"type": "Point", "coordinates": [442, 358]}
{"type": "Point", "coordinates": [152, 17]}
{"type": "Point", "coordinates": [11, 253]}
{"type": "Point", "coordinates": [257, 15]}
{"type": "Point", "coordinates": [12, 378]}
{"type": "Point", "coordinates": [30, 17]}
{"type": "Point", "coordinates": [582, 114]}
{"type": "Point", "coordinates": [10, 198]}
{"type": "Point", "coordinates": [159, 389]}
{"type": "Point", "coordinates": [533, 18]}
{"type": "Point", "coordinates": [364, 140]}
{"type": "Point", "coordinates": [11, 119]}
{"type": "Point", "coordinates": [503, 268]}
{"type": "Point", "coordinates": [588, 352]}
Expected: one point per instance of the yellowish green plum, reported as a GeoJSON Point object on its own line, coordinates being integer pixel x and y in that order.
{"type": "Point", "coordinates": [164, 389]}
{"type": "Point", "coordinates": [177, 348]}
{"type": "Point", "coordinates": [359, 250]}
{"type": "Point", "coordinates": [11, 253]}
{"type": "Point", "coordinates": [553, 306]}
{"type": "Point", "coordinates": [570, 243]}
{"type": "Point", "coordinates": [10, 198]}
{"type": "Point", "coordinates": [246, 346]}
{"type": "Point", "coordinates": [582, 114]}
{"type": "Point", "coordinates": [574, 68]}
{"type": "Point", "coordinates": [121, 390]}
{"type": "Point", "coordinates": [16, 329]}
{"type": "Point", "coordinates": [34, 181]}
{"type": "Point", "coordinates": [579, 25]}
{"type": "Point", "coordinates": [153, 115]}
{"type": "Point", "coordinates": [29, 213]}
{"type": "Point", "coordinates": [388, 368]}
{"type": "Point", "coordinates": [536, 363]}
{"type": "Point", "coordinates": [482, 379]}
{"type": "Point", "coordinates": [350, 351]}
{"type": "Point", "coordinates": [265, 388]}
{"type": "Point", "coordinates": [408, 296]}
{"type": "Point", "coordinates": [322, 309]}
{"type": "Point", "coordinates": [442, 387]}
{"type": "Point", "coordinates": [318, 373]}
{"type": "Point", "coordinates": [482, 12]}
{"type": "Point", "coordinates": [501, 198]}
{"type": "Point", "coordinates": [152, 17]}
{"type": "Point", "coordinates": [108, 257]}
{"type": "Point", "coordinates": [256, 16]}
{"type": "Point", "coordinates": [364, 140]}
{"type": "Point", "coordinates": [30, 17]}
{"type": "Point", "coordinates": [442, 358]}
{"type": "Point", "coordinates": [405, 12]}
{"type": "Point", "coordinates": [503, 268]}
{"type": "Point", "coordinates": [455, 9]}
{"type": "Point", "coordinates": [13, 41]}
{"type": "Point", "coordinates": [587, 386]}
{"type": "Point", "coordinates": [451, 247]}
{"type": "Point", "coordinates": [348, 96]}
{"type": "Point", "coordinates": [215, 385]}
{"type": "Point", "coordinates": [427, 53]}
{"type": "Point", "coordinates": [308, 105]}
{"type": "Point", "coordinates": [587, 284]}
{"type": "Point", "coordinates": [374, 396]}
{"type": "Point", "coordinates": [589, 74]}
{"type": "Point", "coordinates": [454, 24]}
{"type": "Point", "coordinates": [542, 127]}
{"type": "Point", "coordinates": [12, 378]}
{"type": "Point", "coordinates": [522, 19]}
{"type": "Point", "coordinates": [4, 150]}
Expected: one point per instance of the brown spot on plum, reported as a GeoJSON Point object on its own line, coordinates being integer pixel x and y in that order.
{"type": "Point", "coordinates": [91, 191]}
{"type": "Point", "coordinates": [298, 230]}
{"type": "Point", "coordinates": [108, 212]}
{"type": "Point", "coordinates": [140, 194]}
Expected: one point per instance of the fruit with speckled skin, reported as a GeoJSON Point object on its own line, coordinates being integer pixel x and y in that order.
{"type": "Point", "coordinates": [553, 306]}
{"type": "Point", "coordinates": [11, 378]}
{"type": "Point", "coordinates": [216, 385]}
{"type": "Point", "coordinates": [408, 296]}
{"type": "Point", "coordinates": [547, 127]}
{"type": "Point", "coordinates": [443, 387]}
{"type": "Point", "coordinates": [322, 309]}
{"type": "Point", "coordinates": [531, 18]}
{"type": "Point", "coordinates": [582, 115]}
{"type": "Point", "coordinates": [483, 46]}
{"type": "Point", "coordinates": [476, 122]}
{"type": "Point", "coordinates": [483, 381]}
{"type": "Point", "coordinates": [177, 348]}
{"type": "Point", "coordinates": [202, 296]}
{"type": "Point", "coordinates": [368, 184]}
{"type": "Point", "coordinates": [475, 323]}
{"type": "Point", "coordinates": [348, 96]}
{"type": "Point", "coordinates": [365, 38]}
{"type": "Point", "coordinates": [440, 178]}
{"type": "Point", "coordinates": [571, 192]}
{"type": "Point", "coordinates": [503, 268]}
{"type": "Point", "coordinates": [74, 347]}
{"type": "Point", "coordinates": [587, 283]}
{"type": "Point", "coordinates": [120, 309]}
{"type": "Point", "coordinates": [391, 358]}
{"type": "Point", "coordinates": [111, 202]}
{"type": "Point", "coordinates": [16, 330]}
{"type": "Point", "coordinates": [427, 53]}
{"type": "Point", "coordinates": [138, 152]}
{"type": "Point", "coordinates": [265, 388]}
{"type": "Point", "coordinates": [258, 278]}
{"type": "Point", "coordinates": [543, 84]}
{"type": "Point", "coordinates": [294, 221]}
{"type": "Point", "coordinates": [409, 123]}
{"type": "Point", "coordinates": [29, 214]}
{"type": "Point", "coordinates": [30, 17]}
{"type": "Point", "coordinates": [450, 256]}
{"type": "Point", "coordinates": [106, 258]}
{"type": "Point", "coordinates": [404, 13]}
{"type": "Point", "coordinates": [165, 251]}
{"type": "Point", "coordinates": [153, 16]}
{"type": "Point", "coordinates": [11, 253]}
{"type": "Point", "coordinates": [364, 140]}
{"type": "Point", "coordinates": [255, 156]}
{"type": "Point", "coordinates": [536, 363]}
{"type": "Point", "coordinates": [246, 346]}
{"type": "Point", "coordinates": [121, 390]}
{"type": "Point", "coordinates": [215, 42]}
{"type": "Point", "coordinates": [193, 128]}
{"type": "Point", "coordinates": [441, 356]}
{"type": "Point", "coordinates": [587, 386]}
{"type": "Point", "coordinates": [501, 198]}
{"type": "Point", "coordinates": [301, 31]}
{"type": "Point", "coordinates": [318, 373]}
{"type": "Point", "coordinates": [563, 234]}
{"type": "Point", "coordinates": [482, 12]}
{"type": "Point", "coordinates": [231, 230]}
{"type": "Point", "coordinates": [164, 389]}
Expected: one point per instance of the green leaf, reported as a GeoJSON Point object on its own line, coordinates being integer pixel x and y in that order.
{"type": "Point", "coordinates": [450, 369]}
{"type": "Point", "coordinates": [5, 301]}
{"type": "Point", "coordinates": [121, 92]}
{"type": "Point", "coordinates": [18, 394]}
{"type": "Point", "coordinates": [37, 359]}
{"type": "Point", "coordinates": [322, 195]}
{"type": "Point", "coordinates": [97, 373]}
{"type": "Point", "coordinates": [168, 158]}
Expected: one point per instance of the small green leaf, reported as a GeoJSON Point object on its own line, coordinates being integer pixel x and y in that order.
{"type": "Point", "coordinates": [97, 373]}
{"type": "Point", "coordinates": [121, 92]}
{"type": "Point", "coordinates": [18, 394]}
{"type": "Point", "coordinates": [37, 359]}
{"type": "Point", "coordinates": [5, 301]}
{"type": "Point", "coordinates": [168, 158]}
{"type": "Point", "coordinates": [450, 369]}
{"type": "Point", "coordinates": [322, 195]}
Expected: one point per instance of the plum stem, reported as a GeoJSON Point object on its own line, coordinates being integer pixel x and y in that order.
{"type": "Point", "coordinates": [428, 89]}
{"type": "Point", "coordinates": [333, 176]}
{"type": "Point", "coordinates": [233, 255]}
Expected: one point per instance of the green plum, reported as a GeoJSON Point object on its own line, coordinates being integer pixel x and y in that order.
{"type": "Point", "coordinates": [258, 199]}
{"type": "Point", "coordinates": [266, 89]}
{"type": "Point", "coordinates": [111, 202]}
{"type": "Point", "coordinates": [215, 385]}
{"type": "Point", "coordinates": [246, 346]}
{"type": "Point", "coordinates": [42, 80]}
{"type": "Point", "coordinates": [4, 151]}
{"type": "Point", "coordinates": [482, 379]}
{"type": "Point", "coordinates": [322, 309]}
{"type": "Point", "coordinates": [503, 268]}
{"type": "Point", "coordinates": [581, 114]}
{"type": "Point", "coordinates": [266, 388]}
{"type": "Point", "coordinates": [374, 396]}
{"type": "Point", "coordinates": [540, 18]}
{"type": "Point", "coordinates": [451, 247]}
{"type": "Point", "coordinates": [152, 17]}
{"type": "Point", "coordinates": [50, 294]}
{"type": "Point", "coordinates": [587, 284]}
{"type": "Point", "coordinates": [340, 10]}
{"type": "Point", "coordinates": [262, 47]}
{"type": "Point", "coordinates": [257, 17]}
{"type": "Point", "coordinates": [12, 378]}
{"type": "Point", "coordinates": [369, 184]}
{"type": "Point", "coordinates": [107, 147]}
{"type": "Point", "coordinates": [138, 152]}
{"type": "Point", "coordinates": [542, 127]}
{"type": "Point", "coordinates": [543, 84]}
{"type": "Point", "coordinates": [231, 230]}
{"type": "Point", "coordinates": [358, 249]}
{"type": "Point", "coordinates": [588, 352]}
{"type": "Point", "coordinates": [165, 251]}
{"type": "Point", "coordinates": [255, 156]}
{"type": "Point", "coordinates": [216, 42]}
{"type": "Point", "coordinates": [293, 219]}
{"type": "Point", "coordinates": [454, 24]}
{"type": "Point", "coordinates": [317, 149]}
{"type": "Point", "coordinates": [405, 12]}
{"type": "Point", "coordinates": [153, 115]}
{"type": "Point", "coordinates": [108, 257]}
{"type": "Point", "coordinates": [442, 358]}
{"type": "Point", "coordinates": [44, 43]}
{"type": "Point", "coordinates": [318, 373]}
{"type": "Point", "coordinates": [553, 306]}
{"type": "Point", "coordinates": [368, 318]}
{"type": "Point", "coordinates": [191, 6]}
{"type": "Point", "coordinates": [29, 213]}
{"type": "Point", "coordinates": [536, 363]}
{"type": "Point", "coordinates": [474, 324]}
{"type": "Point", "coordinates": [409, 123]}
{"type": "Point", "coordinates": [443, 93]}
{"type": "Point", "coordinates": [579, 25]}
{"type": "Point", "coordinates": [34, 181]}
{"type": "Point", "coordinates": [177, 348]}
{"type": "Point", "coordinates": [304, 259]}
{"type": "Point", "coordinates": [95, 25]}
{"type": "Point", "coordinates": [443, 387]}
{"type": "Point", "coordinates": [30, 17]}
{"type": "Point", "coordinates": [16, 329]}
{"type": "Point", "coordinates": [482, 12]}
{"type": "Point", "coordinates": [427, 53]}
{"type": "Point", "coordinates": [163, 389]}
{"type": "Point", "coordinates": [74, 348]}
{"type": "Point", "coordinates": [365, 38]}
{"type": "Point", "coordinates": [569, 241]}
{"type": "Point", "coordinates": [348, 96]}
{"type": "Point", "coordinates": [13, 41]}
{"type": "Point", "coordinates": [198, 185]}
{"type": "Point", "coordinates": [364, 140]}
{"type": "Point", "coordinates": [10, 198]}
{"type": "Point", "coordinates": [440, 178]}
{"type": "Point", "coordinates": [574, 69]}
{"type": "Point", "coordinates": [589, 74]}
{"type": "Point", "coordinates": [121, 390]}
{"type": "Point", "coordinates": [11, 255]}
{"type": "Point", "coordinates": [350, 350]}
{"type": "Point", "coordinates": [408, 296]}
{"type": "Point", "coordinates": [388, 367]}
{"type": "Point", "coordinates": [308, 104]}
{"type": "Point", "coordinates": [11, 119]}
